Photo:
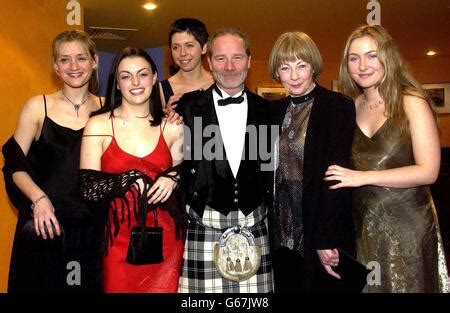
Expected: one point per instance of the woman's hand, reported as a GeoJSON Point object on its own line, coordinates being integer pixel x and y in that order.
{"type": "Point", "coordinates": [169, 111]}
{"type": "Point", "coordinates": [45, 219]}
{"type": "Point", "coordinates": [173, 117]}
{"type": "Point", "coordinates": [329, 258]}
{"type": "Point", "coordinates": [345, 176]}
{"type": "Point", "coordinates": [173, 102]}
{"type": "Point", "coordinates": [161, 190]}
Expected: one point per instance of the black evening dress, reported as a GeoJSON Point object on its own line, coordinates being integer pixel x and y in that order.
{"type": "Point", "coordinates": [70, 262]}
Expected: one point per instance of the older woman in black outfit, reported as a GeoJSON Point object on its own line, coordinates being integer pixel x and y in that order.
{"type": "Point", "coordinates": [309, 220]}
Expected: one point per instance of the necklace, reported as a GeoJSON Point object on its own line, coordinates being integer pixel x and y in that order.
{"type": "Point", "coordinates": [126, 120]}
{"type": "Point", "coordinates": [76, 106]}
{"type": "Point", "coordinates": [302, 99]}
{"type": "Point", "coordinates": [371, 106]}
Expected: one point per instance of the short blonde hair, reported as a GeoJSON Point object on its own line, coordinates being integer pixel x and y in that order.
{"type": "Point", "coordinates": [88, 45]}
{"type": "Point", "coordinates": [291, 46]}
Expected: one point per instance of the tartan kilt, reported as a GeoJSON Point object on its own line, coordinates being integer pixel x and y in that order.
{"type": "Point", "coordinates": [199, 274]}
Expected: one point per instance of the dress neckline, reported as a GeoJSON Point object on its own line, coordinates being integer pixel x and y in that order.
{"type": "Point", "coordinates": [65, 127]}
{"type": "Point", "coordinates": [375, 133]}
{"type": "Point", "coordinates": [135, 156]}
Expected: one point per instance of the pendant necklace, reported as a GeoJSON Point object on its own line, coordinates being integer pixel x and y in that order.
{"type": "Point", "coordinates": [76, 106]}
{"type": "Point", "coordinates": [371, 106]}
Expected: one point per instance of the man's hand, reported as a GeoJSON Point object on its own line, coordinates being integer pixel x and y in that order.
{"type": "Point", "coordinates": [329, 259]}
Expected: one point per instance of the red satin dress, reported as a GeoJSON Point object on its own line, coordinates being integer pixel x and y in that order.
{"type": "Point", "coordinates": [119, 276]}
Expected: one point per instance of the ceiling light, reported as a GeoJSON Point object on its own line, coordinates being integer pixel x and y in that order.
{"type": "Point", "coordinates": [150, 6]}
{"type": "Point", "coordinates": [430, 53]}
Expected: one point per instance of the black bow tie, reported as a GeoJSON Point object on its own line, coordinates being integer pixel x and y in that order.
{"type": "Point", "coordinates": [229, 100]}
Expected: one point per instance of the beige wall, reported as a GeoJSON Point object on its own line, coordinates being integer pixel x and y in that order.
{"type": "Point", "coordinates": [27, 30]}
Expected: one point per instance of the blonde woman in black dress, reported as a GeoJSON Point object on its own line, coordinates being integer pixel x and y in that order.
{"type": "Point", "coordinates": [41, 171]}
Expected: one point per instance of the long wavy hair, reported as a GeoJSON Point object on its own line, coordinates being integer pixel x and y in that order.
{"type": "Point", "coordinates": [396, 82]}
{"type": "Point", "coordinates": [114, 95]}
{"type": "Point", "coordinates": [87, 43]}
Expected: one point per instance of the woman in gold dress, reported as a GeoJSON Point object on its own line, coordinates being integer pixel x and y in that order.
{"type": "Point", "coordinates": [396, 155]}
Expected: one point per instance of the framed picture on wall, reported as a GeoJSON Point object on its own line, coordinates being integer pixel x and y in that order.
{"type": "Point", "coordinates": [272, 93]}
{"type": "Point", "coordinates": [440, 94]}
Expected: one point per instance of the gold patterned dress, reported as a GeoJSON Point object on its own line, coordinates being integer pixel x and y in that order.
{"type": "Point", "coordinates": [397, 228]}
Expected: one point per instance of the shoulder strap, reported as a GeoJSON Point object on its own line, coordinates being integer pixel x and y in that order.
{"type": "Point", "coordinates": [45, 104]}
{"type": "Point", "coordinates": [167, 89]}
{"type": "Point", "coordinates": [163, 126]}
{"type": "Point", "coordinates": [100, 100]}
{"type": "Point", "coordinates": [112, 126]}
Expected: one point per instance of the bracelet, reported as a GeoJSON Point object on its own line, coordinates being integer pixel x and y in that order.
{"type": "Point", "coordinates": [33, 205]}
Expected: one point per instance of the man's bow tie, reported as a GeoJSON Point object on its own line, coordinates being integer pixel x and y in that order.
{"type": "Point", "coordinates": [229, 100]}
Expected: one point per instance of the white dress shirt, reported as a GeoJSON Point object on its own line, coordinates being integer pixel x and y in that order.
{"type": "Point", "coordinates": [232, 124]}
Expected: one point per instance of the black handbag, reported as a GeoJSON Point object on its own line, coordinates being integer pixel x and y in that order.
{"type": "Point", "coordinates": [353, 273]}
{"type": "Point", "coordinates": [145, 246]}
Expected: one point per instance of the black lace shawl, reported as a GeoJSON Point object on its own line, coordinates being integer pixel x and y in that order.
{"type": "Point", "coordinates": [103, 190]}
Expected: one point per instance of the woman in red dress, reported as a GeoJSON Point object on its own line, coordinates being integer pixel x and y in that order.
{"type": "Point", "coordinates": [130, 135]}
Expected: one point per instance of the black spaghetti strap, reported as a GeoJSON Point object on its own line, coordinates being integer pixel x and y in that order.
{"type": "Point", "coordinates": [167, 89]}
{"type": "Point", "coordinates": [45, 105]}
{"type": "Point", "coordinates": [100, 100]}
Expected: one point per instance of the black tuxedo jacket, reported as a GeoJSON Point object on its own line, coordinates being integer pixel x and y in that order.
{"type": "Point", "coordinates": [208, 181]}
{"type": "Point", "coordinates": [327, 216]}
